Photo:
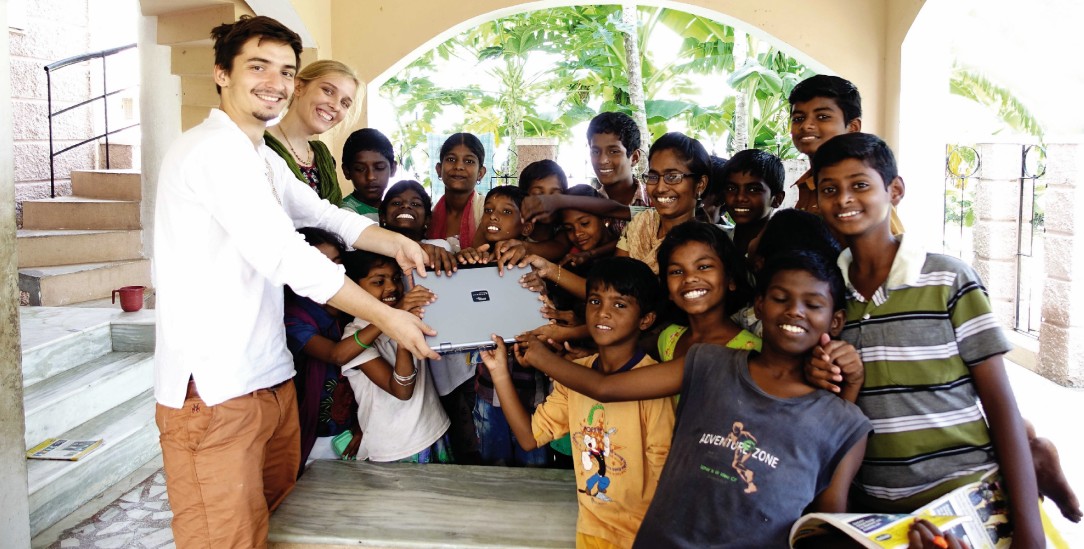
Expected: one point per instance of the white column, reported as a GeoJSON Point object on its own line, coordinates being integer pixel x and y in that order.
{"type": "Point", "coordinates": [160, 112]}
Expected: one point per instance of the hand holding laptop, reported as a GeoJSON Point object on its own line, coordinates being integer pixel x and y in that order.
{"type": "Point", "coordinates": [415, 299]}
{"type": "Point", "coordinates": [475, 303]}
{"type": "Point", "coordinates": [504, 254]}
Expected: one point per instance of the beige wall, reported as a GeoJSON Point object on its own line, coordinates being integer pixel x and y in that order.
{"type": "Point", "coordinates": [317, 17]}
{"type": "Point", "coordinates": [899, 18]}
{"type": "Point", "coordinates": [29, 128]}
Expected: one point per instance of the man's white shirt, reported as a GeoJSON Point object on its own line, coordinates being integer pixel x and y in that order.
{"type": "Point", "coordinates": [224, 248]}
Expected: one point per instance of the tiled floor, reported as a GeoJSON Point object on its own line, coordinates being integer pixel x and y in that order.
{"type": "Point", "coordinates": [139, 516]}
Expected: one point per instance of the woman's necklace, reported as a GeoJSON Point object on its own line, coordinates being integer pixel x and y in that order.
{"type": "Point", "coordinates": [290, 145]}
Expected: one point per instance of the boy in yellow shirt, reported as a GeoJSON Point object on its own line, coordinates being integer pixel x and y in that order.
{"type": "Point", "coordinates": [619, 447]}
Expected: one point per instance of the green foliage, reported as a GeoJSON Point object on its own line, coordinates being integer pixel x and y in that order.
{"type": "Point", "coordinates": [589, 68]}
{"type": "Point", "coordinates": [958, 209]}
{"type": "Point", "coordinates": [977, 87]}
{"type": "Point", "coordinates": [961, 162]}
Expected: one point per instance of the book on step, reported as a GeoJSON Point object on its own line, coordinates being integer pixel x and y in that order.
{"type": "Point", "coordinates": [63, 449]}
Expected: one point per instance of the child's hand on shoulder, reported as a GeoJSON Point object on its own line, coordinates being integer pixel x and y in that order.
{"type": "Point", "coordinates": [474, 256]}
{"type": "Point", "coordinates": [496, 360]}
{"type": "Point", "coordinates": [415, 300]}
{"type": "Point", "coordinates": [835, 364]}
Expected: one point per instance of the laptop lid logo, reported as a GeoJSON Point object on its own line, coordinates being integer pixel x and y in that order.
{"type": "Point", "coordinates": [479, 295]}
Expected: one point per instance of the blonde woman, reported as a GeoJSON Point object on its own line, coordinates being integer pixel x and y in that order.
{"type": "Point", "coordinates": [323, 96]}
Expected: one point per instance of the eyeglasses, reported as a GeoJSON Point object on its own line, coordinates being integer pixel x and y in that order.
{"type": "Point", "coordinates": [671, 178]}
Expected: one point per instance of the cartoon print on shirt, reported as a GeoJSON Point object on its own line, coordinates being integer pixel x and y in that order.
{"type": "Point", "coordinates": [743, 443]}
{"type": "Point", "coordinates": [598, 454]}
{"type": "Point", "coordinates": [746, 452]}
{"type": "Point", "coordinates": [590, 455]}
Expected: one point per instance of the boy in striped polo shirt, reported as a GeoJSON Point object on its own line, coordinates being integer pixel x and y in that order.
{"type": "Point", "coordinates": [931, 347]}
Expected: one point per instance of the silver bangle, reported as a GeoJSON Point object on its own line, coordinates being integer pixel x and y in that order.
{"type": "Point", "coordinates": [405, 380]}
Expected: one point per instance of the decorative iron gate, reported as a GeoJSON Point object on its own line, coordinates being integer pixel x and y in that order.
{"type": "Point", "coordinates": [1031, 227]}
{"type": "Point", "coordinates": [962, 163]}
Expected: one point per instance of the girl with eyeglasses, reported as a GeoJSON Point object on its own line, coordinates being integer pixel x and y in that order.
{"type": "Point", "coordinates": [677, 175]}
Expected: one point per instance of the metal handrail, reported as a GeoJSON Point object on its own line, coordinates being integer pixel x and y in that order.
{"type": "Point", "coordinates": [52, 67]}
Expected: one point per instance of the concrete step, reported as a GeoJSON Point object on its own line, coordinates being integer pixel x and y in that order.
{"type": "Point", "coordinates": [72, 212]}
{"type": "Point", "coordinates": [58, 403]}
{"type": "Point", "coordinates": [134, 332]}
{"type": "Point", "coordinates": [56, 339]}
{"type": "Point", "coordinates": [43, 248]}
{"type": "Point", "coordinates": [193, 26]}
{"type": "Point", "coordinates": [66, 284]}
{"type": "Point", "coordinates": [108, 184]}
{"type": "Point", "coordinates": [59, 487]}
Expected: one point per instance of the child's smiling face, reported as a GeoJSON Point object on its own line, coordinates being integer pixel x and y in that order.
{"type": "Point", "coordinates": [795, 310]}
{"type": "Point", "coordinates": [585, 231]}
{"type": "Point", "coordinates": [696, 278]}
{"type": "Point", "coordinates": [407, 211]}
{"type": "Point", "coordinates": [610, 159]}
{"type": "Point", "coordinates": [853, 197]}
{"type": "Point", "coordinates": [613, 318]}
{"type": "Point", "coordinates": [748, 198]}
{"type": "Point", "coordinates": [384, 283]}
{"type": "Point", "coordinates": [460, 169]}
{"type": "Point", "coordinates": [677, 199]}
{"type": "Point", "coordinates": [815, 121]}
{"type": "Point", "coordinates": [500, 219]}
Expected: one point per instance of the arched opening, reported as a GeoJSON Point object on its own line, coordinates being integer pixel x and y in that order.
{"type": "Point", "coordinates": [749, 72]}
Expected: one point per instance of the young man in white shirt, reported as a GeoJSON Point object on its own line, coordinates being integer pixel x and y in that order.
{"type": "Point", "coordinates": [225, 241]}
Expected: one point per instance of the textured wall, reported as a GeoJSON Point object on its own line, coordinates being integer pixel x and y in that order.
{"type": "Point", "coordinates": [14, 502]}
{"type": "Point", "coordinates": [32, 49]}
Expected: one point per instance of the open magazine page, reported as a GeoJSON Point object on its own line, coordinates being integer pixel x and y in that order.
{"type": "Point", "coordinates": [975, 513]}
{"type": "Point", "coordinates": [63, 449]}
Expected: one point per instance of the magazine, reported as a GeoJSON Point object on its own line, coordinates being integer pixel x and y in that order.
{"type": "Point", "coordinates": [63, 449]}
{"type": "Point", "coordinates": [975, 513]}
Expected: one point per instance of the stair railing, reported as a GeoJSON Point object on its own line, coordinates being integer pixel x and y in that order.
{"type": "Point", "coordinates": [53, 67]}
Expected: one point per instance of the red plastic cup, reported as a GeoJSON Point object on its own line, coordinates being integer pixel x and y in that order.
{"type": "Point", "coordinates": [131, 298]}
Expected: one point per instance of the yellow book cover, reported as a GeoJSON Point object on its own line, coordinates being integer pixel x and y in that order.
{"type": "Point", "coordinates": [63, 449]}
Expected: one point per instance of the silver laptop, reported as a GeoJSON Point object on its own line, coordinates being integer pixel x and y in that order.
{"type": "Point", "coordinates": [475, 302]}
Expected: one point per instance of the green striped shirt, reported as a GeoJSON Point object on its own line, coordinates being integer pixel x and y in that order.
{"type": "Point", "coordinates": [353, 204]}
{"type": "Point", "coordinates": [919, 336]}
